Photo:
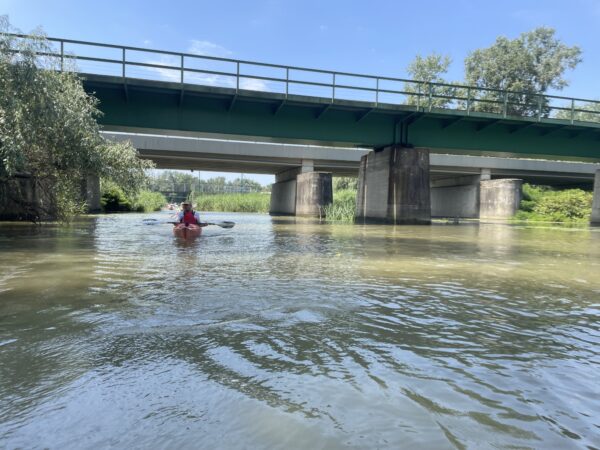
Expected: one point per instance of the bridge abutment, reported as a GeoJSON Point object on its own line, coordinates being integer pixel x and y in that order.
{"type": "Point", "coordinates": [393, 186]}
{"type": "Point", "coordinates": [595, 220]}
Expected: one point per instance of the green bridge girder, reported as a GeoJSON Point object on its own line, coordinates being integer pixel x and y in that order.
{"type": "Point", "coordinates": [226, 113]}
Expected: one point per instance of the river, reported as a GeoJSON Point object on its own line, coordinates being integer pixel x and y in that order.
{"type": "Point", "coordinates": [283, 333]}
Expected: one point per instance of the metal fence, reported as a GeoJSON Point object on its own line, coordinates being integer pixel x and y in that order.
{"type": "Point", "coordinates": [189, 68]}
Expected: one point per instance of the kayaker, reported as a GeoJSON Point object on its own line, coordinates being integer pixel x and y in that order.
{"type": "Point", "coordinates": [187, 215]}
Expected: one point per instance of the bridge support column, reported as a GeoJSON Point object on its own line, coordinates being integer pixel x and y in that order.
{"type": "Point", "coordinates": [393, 186]}
{"type": "Point", "coordinates": [313, 191]}
{"type": "Point", "coordinates": [456, 197]}
{"type": "Point", "coordinates": [596, 202]}
{"type": "Point", "coordinates": [499, 199]}
{"type": "Point", "coordinates": [301, 191]}
{"type": "Point", "coordinates": [91, 190]}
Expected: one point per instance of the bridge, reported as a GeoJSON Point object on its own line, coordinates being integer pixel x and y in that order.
{"type": "Point", "coordinates": [402, 121]}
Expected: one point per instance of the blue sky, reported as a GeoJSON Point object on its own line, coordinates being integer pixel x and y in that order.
{"type": "Point", "coordinates": [377, 37]}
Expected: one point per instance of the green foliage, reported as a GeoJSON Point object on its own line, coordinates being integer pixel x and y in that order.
{"type": "Point", "coordinates": [532, 63]}
{"type": "Point", "coordinates": [343, 208]}
{"type": "Point", "coordinates": [543, 204]}
{"type": "Point", "coordinates": [429, 69]}
{"type": "Point", "coordinates": [170, 181]}
{"type": "Point", "coordinates": [587, 112]}
{"type": "Point", "coordinates": [148, 201]}
{"type": "Point", "coordinates": [114, 199]}
{"type": "Point", "coordinates": [48, 128]}
{"type": "Point", "coordinates": [341, 183]}
{"type": "Point", "coordinates": [252, 202]}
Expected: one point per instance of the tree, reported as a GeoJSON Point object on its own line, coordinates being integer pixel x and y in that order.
{"type": "Point", "coordinates": [587, 112]}
{"type": "Point", "coordinates": [49, 134]}
{"type": "Point", "coordinates": [427, 70]}
{"type": "Point", "coordinates": [530, 64]}
{"type": "Point", "coordinates": [343, 183]}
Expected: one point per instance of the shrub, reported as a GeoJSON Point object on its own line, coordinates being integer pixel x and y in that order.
{"type": "Point", "coordinates": [541, 203]}
{"type": "Point", "coordinates": [565, 206]}
{"type": "Point", "coordinates": [114, 199]}
{"type": "Point", "coordinates": [147, 201]}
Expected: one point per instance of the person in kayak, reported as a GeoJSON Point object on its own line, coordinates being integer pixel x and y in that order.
{"type": "Point", "coordinates": [187, 215]}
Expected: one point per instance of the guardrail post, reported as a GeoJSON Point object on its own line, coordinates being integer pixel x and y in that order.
{"type": "Point", "coordinates": [505, 112]}
{"type": "Point", "coordinates": [237, 79]}
{"type": "Point", "coordinates": [287, 81]}
{"type": "Point", "coordinates": [123, 72]}
{"type": "Point", "coordinates": [333, 89]}
{"type": "Point", "coordinates": [181, 77]}
{"type": "Point", "coordinates": [539, 112]}
{"type": "Point", "coordinates": [62, 56]}
{"type": "Point", "coordinates": [430, 96]}
{"type": "Point", "coordinates": [419, 96]}
{"type": "Point", "coordinates": [468, 101]}
{"type": "Point", "coordinates": [377, 91]}
{"type": "Point", "coordinates": [572, 111]}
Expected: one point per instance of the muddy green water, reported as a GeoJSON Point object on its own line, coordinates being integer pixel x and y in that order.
{"type": "Point", "coordinates": [285, 334]}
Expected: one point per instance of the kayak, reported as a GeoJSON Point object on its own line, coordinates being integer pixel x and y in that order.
{"type": "Point", "coordinates": [189, 231]}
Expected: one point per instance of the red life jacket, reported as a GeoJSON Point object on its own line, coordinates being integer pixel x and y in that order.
{"type": "Point", "coordinates": [189, 217]}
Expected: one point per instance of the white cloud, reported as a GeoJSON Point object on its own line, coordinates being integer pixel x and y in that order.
{"type": "Point", "coordinates": [207, 48]}
{"type": "Point", "coordinates": [203, 48]}
{"type": "Point", "coordinates": [254, 85]}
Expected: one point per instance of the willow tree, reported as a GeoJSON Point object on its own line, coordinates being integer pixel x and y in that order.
{"type": "Point", "coordinates": [50, 140]}
{"type": "Point", "coordinates": [529, 65]}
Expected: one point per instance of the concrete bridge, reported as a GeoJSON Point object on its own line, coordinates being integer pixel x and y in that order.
{"type": "Point", "coordinates": [400, 121]}
{"type": "Point", "coordinates": [455, 180]}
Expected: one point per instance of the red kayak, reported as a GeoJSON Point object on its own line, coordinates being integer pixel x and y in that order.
{"type": "Point", "coordinates": [189, 231]}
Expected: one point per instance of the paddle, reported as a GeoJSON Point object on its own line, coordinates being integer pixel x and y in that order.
{"type": "Point", "coordinates": [223, 224]}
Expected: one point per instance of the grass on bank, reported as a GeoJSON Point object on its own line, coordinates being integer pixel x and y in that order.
{"type": "Point", "coordinates": [343, 208]}
{"type": "Point", "coordinates": [257, 202]}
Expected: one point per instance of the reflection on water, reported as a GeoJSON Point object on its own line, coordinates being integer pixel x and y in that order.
{"type": "Point", "coordinates": [293, 334]}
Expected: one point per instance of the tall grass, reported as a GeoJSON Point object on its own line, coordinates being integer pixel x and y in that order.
{"type": "Point", "coordinates": [343, 208]}
{"type": "Point", "coordinates": [252, 202]}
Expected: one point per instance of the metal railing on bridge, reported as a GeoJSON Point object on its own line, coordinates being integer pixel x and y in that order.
{"type": "Point", "coordinates": [374, 91]}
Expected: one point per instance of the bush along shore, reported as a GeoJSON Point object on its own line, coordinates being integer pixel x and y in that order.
{"type": "Point", "coordinates": [114, 199]}
{"type": "Point", "coordinates": [543, 204]}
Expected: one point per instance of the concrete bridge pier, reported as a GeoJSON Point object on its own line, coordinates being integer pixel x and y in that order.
{"type": "Point", "coordinates": [91, 190]}
{"type": "Point", "coordinates": [393, 186]}
{"type": "Point", "coordinates": [596, 202]}
{"type": "Point", "coordinates": [301, 191]}
{"type": "Point", "coordinates": [457, 196]}
{"type": "Point", "coordinates": [476, 196]}
{"type": "Point", "coordinates": [499, 199]}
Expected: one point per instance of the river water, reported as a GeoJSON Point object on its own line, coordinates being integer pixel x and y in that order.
{"type": "Point", "coordinates": [283, 333]}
